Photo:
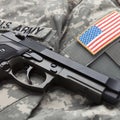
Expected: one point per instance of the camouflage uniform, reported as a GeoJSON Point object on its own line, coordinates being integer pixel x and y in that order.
{"type": "Point", "coordinates": [61, 21]}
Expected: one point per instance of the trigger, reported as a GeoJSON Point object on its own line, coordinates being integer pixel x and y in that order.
{"type": "Point", "coordinates": [28, 75]}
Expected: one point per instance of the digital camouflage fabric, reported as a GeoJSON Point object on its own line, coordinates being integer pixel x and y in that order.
{"type": "Point", "coordinates": [57, 23]}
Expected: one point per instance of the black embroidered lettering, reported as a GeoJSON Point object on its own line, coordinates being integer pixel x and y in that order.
{"type": "Point", "coordinates": [25, 29]}
{"type": "Point", "coordinates": [38, 30]}
{"type": "Point", "coordinates": [8, 24]}
{"type": "Point", "coordinates": [31, 30]}
{"type": "Point", "coordinates": [1, 24]}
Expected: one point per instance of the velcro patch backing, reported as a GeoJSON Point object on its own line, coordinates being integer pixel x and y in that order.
{"type": "Point", "coordinates": [102, 33]}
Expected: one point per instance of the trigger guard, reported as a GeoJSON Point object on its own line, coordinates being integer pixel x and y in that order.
{"type": "Point", "coordinates": [40, 88]}
{"type": "Point", "coordinates": [49, 78]}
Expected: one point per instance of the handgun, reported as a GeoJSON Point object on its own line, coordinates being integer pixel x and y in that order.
{"type": "Point", "coordinates": [20, 54]}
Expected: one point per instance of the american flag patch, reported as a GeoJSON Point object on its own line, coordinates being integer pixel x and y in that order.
{"type": "Point", "coordinates": [103, 32]}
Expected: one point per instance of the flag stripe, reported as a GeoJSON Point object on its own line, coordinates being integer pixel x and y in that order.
{"type": "Point", "coordinates": [104, 39]}
{"type": "Point", "coordinates": [109, 23]}
{"type": "Point", "coordinates": [94, 42]}
{"type": "Point", "coordinates": [106, 19]}
{"type": "Point", "coordinates": [107, 42]}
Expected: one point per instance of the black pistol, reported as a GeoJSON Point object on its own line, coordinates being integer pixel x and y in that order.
{"type": "Point", "coordinates": [20, 54]}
